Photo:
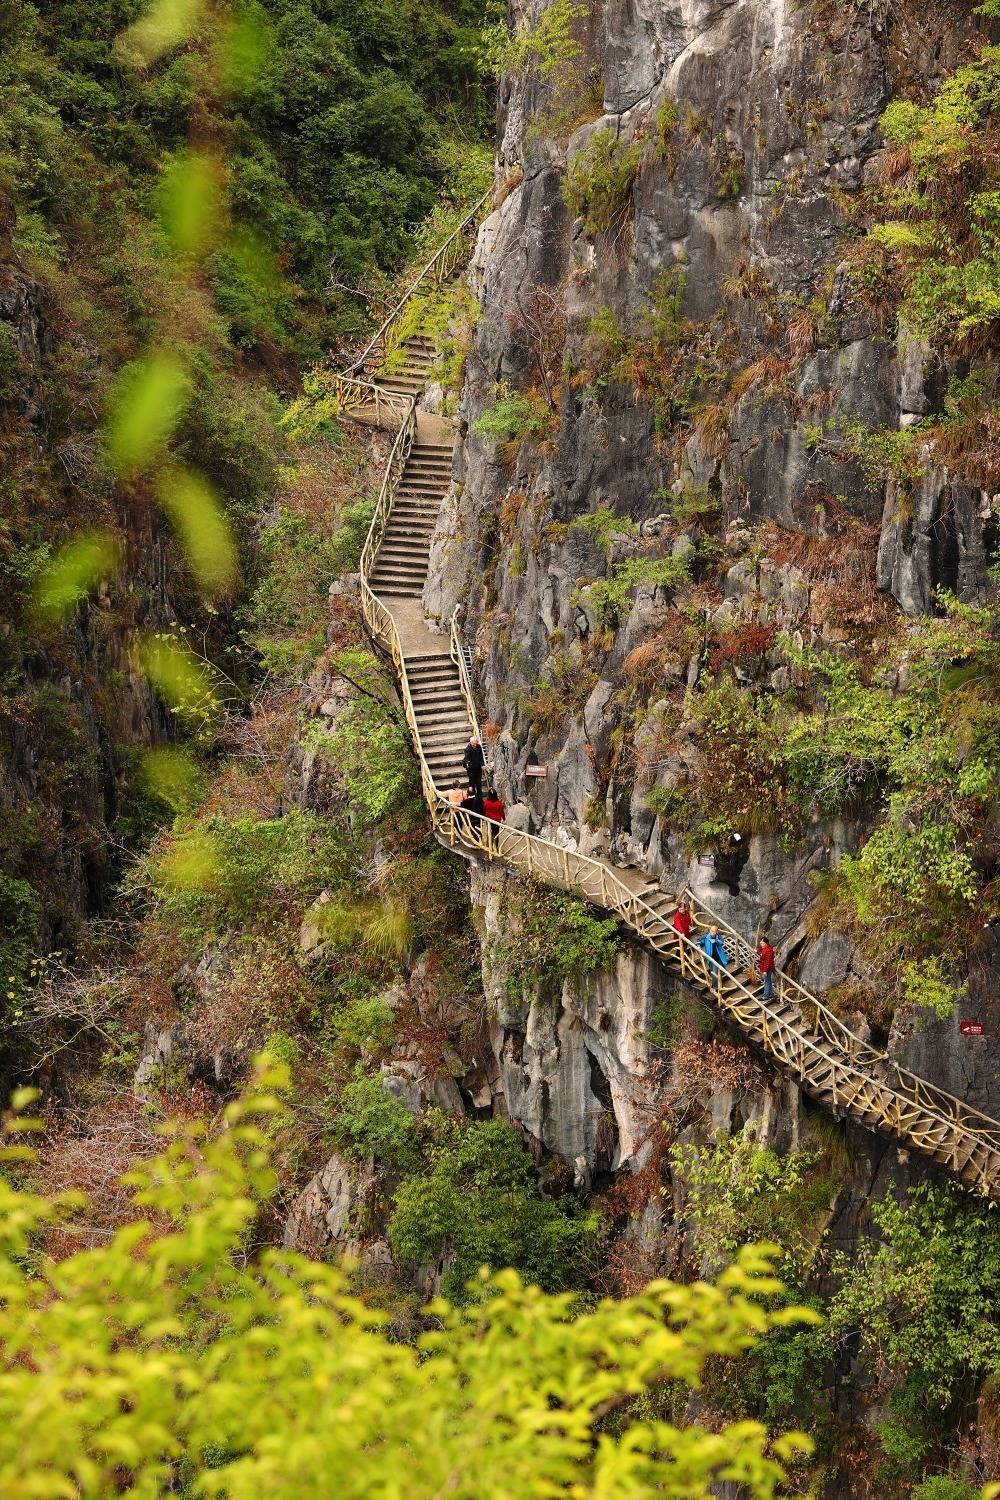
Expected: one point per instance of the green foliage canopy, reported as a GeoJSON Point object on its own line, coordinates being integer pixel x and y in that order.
{"type": "Point", "coordinates": [175, 1355]}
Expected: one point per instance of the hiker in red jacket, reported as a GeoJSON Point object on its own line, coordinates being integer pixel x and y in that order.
{"type": "Point", "coordinates": [765, 966]}
{"type": "Point", "coordinates": [682, 920]}
{"type": "Point", "coordinates": [492, 806]}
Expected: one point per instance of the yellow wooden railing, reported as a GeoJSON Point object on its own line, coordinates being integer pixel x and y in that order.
{"type": "Point", "coordinates": [795, 1028]}
{"type": "Point", "coordinates": [353, 387]}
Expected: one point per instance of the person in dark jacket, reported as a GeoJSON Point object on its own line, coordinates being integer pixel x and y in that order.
{"type": "Point", "coordinates": [765, 967]}
{"type": "Point", "coordinates": [474, 760]}
{"type": "Point", "coordinates": [492, 806]}
{"type": "Point", "coordinates": [472, 801]}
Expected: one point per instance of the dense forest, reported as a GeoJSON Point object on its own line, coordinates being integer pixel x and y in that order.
{"type": "Point", "coordinates": [617, 388]}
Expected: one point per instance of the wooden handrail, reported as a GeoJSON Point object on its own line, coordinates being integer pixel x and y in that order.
{"type": "Point", "coordinates": [837, 1031]}
{"type": "Point", "coordinates": [379, 341]}
{"type": "Point", "coordinates": [830, 1060]}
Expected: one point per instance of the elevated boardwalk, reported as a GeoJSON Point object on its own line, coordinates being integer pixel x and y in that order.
{"type": "Point", "coordinates": [802, 1036]}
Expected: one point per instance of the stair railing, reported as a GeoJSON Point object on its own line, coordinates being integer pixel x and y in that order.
{"type": "Point", "coordinates": [351, 385]}
{"type": "Point", "coordinates": [837, 1079]}
{"type": "Point", "coordinates": [379, 619]}
{"type": "Point", "coordinates": [820, 1019]}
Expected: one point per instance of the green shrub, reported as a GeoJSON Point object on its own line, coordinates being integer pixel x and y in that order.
{"type": "Point", "coordinates": [480, 1200]}
{"type": "Point", "coordinates": [515, 417]}
{"type": "Point", "coordinates": [599, 181]}
{"type": "Point", "coordinates": [369, 742]}
{"type": "Point", "coordinates": [611, 596]}
{"type": "Point", "coordinates": [10, 357]}
{"type": "Point", "coordinates": [240, 1360]}
{"type": "Point", "coordinates": [926, 1297]}
{"type": "Point", "coordinates": [549, 45]}
{"type": "Point", "coordinates": [551, 937]}
{"type": "Point", "coordinates": [665, 1022]}
{"type": "Point", "coordinates": [234, 872]}
{"type": "Point", "coordinates": [667, 116]}
{"type": "Point", "coordinates": [365, 1021]}
{"type": "Point", "coordinates": [943, 241]}
{"type": "Point", "coordinates": [369, 1121]}
{"type": "Point", "coordinates": [605, 526]}
{"type": "Point", "coordinates": [736, 1185]}
{"type": "Point", "coordinates": [946, 1487]}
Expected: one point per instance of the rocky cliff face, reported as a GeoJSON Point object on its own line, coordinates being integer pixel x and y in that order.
{"type": "Point", "coordinates": [75, 704]}
{"type": "Point", "coordinates": [751, 126]}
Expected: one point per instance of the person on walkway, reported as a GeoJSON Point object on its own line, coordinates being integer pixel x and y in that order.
{"type": "Point", "coordinates": [474, 760]}
{"type": "Point", "coordinates": [492, 806]}
{"type": "Point", "coordinates": [765, 967]}
{"type": "Point", "coordinates": [716, 954]}
{"type": "Point", "coordinates": [455, 793]}
{"type": "Point", "coordinates": [683, 920]}
{"type": "Point", "coordinates": [472, 802]}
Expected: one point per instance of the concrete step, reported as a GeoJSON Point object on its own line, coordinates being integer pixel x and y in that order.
{"type": "Point", "coordinates": [403, 530]}
{"type": "Point", "coordinates": [408, 517]}
{"type": "Point", "coordinates": [391, 573]}
{"type": "Point", "coordinates": [449, 758]}
{"type": "Point", "coordinates": [429, 695]}
{"type": "Point", "coordinates": [403, 537]}
{"type": "Point", "coordinates": [432, 692]}
{"type": "Point", "coordinates": [439, 661]}
{"type": "Point", "coordinates": [446, 726]}
{"type": "Point", "coordinates": [399, 565]}
{"type": "Point", "coordinates": [441, 695]}
{"type": "Point", "coordinates": [451, 748]}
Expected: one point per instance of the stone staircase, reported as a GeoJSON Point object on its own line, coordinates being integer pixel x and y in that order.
{"type": "Point", "coordinates": [401, 561]}
{"type": "Point", "coordinates": [441, 715]}
{"type": "Point", "coordinates": [409, 366]}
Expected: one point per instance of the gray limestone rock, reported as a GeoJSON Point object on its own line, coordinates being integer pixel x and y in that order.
{"type": "Point", "coordinates": [324, 1215]}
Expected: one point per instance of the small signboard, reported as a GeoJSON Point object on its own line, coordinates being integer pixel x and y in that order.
{"type": "Point", "coordinates": [536, 770]}
{"type": "Point", "coordinates": [707, 861]}
{"type": "Point", "coordinates": [971, 1028]}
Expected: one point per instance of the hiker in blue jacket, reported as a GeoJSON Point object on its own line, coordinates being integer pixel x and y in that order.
{"type": "Point", "coordinates": [716, 954]}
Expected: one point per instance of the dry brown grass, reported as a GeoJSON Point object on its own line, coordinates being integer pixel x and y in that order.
{"type": "Point", "coordinates": [702, 1067]}
{"type": "Point", "coordinates": [510, 183]}
{"type": "Point", "coordinates": [711, 423]}
{"type": "Point", "coordinates": [801, 333]}
{"type": "Point", "coordinates": [970, 448]}
{"type": "Point", "coordinates": [770, 372]}
{"type": "Point", "coordinates": [840, 571]}
{"type": "Point", "coordinates": [671, 640]}
{"type": "Point", "coordinates": [91, 1154]}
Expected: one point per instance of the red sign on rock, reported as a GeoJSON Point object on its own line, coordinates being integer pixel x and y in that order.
{"type": "Point", "coordinates": [971, 1028]}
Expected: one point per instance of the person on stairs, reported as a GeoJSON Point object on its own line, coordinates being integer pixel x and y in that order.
{"type": "Point", "coordinates": [716, 954]}
{"type": "Point", "coordinates": [683, 920]}
{"type": "Point", "coordinates": [474, 760]}
{"type": "Point", "coordinates": [765, 967]}
{"type": "Point", "coordinates": [454, 794]}
{"type": "Point", "coordinates": [493, 806]}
